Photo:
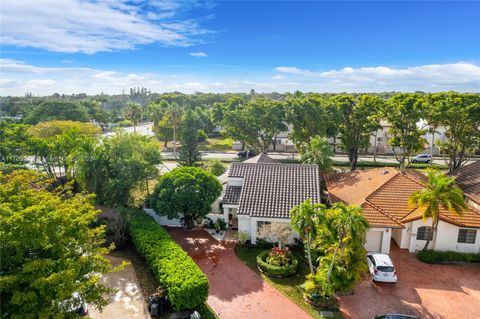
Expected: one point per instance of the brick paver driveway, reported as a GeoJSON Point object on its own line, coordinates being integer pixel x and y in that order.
{"type": "Point", "coordinates": [235, 290]}
{"type": "Point", "coordinates": [428, 291]}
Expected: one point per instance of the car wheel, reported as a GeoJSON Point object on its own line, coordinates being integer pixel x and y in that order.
{"type": "Point", "coordinates": [414, 161]}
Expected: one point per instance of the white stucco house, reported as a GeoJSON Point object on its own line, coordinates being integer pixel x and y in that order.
{"type": "Point", "coordinates": [261, 191]}
{"type": "Point", "coordinates": [383, 194]}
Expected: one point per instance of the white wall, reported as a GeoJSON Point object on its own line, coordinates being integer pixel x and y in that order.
{"type": "Point", "coordinates": [444, 239]}
{"type": "Point", "coordinates": [402, 236]}
{"type": "Point", "coordinates": [244, 224]}
{"type": "Point", "coordinates": [253, 226]}
{"type": "Point", "coordinates": [386, 238]}
{"type": "Point", "coordinates": [163, 220]}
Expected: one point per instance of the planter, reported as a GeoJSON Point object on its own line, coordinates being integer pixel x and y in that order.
{"type": "Point", "coordinates": [276, 271]}
{"type": "Point", "coordinates": [320, 303]}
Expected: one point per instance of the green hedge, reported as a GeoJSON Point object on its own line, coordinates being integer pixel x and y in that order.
{"type": "Point", "coordinates": [276, 271]}
{"type": "Point", "coordinates": [186, 284]}
{"type": "Point", "coordinates": [439, 257]}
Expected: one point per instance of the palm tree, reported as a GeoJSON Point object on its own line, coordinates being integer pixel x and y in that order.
{"type": "Point", "coordinates": [156, 111]}
{"type": "Point", "coordinates": [134, 114]}
{"type": "Point", "coordinates": [174, 112]}
{"type": "Point", "coordinates": [317, 151]}
{"type": "Point", "coordinates": [439, 192]}
{"type": "Point", "coordinates": [305, 218]}
{"type": "Point", "coordinates": [347, 226]}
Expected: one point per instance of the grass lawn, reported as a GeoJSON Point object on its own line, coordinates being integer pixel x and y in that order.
{"type": "Point", "coordinates": [289, 286]}
{"type": "Point", "coordinates": [218, 144]}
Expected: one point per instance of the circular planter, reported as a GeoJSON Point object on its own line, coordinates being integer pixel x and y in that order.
{"type": "Point", "coordinates": [276, 271]}
{"type": "Point", "coordinates": [320, 304]}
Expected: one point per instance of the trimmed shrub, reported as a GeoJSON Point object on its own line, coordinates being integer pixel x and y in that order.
{"type": "Point", "coordinates": [186, 284]}
{"type": "Point", "coordinates": [276, 271]}
{"type": "Point", "coordinates": [441, 257]}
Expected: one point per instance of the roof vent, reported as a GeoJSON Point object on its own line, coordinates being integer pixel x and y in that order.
{"type": "Point", "coordinates": [385, 172]}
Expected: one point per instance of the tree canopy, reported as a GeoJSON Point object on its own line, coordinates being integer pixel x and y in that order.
{"type": "Point", "coordinates": [187, 193]}
{"type": "Point", "coordinates": [57, 110]}
{"type": "Point", "coordinates": [189, 154]}
{"type": "Point", "coordinates": [49, 248]}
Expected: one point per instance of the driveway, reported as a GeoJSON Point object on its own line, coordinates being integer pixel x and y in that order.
{"type": "Point", "coordinates": [127, 302]}
{"type": "Point", "coordinates": [428, 291]}
{"type": "Point", "coordinates": [236, 292]}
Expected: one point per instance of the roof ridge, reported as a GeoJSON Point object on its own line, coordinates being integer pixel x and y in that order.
{"type": "Point", "coordinates": [404, 173]}
{"type": "Point", "coordinates": [384, 213]}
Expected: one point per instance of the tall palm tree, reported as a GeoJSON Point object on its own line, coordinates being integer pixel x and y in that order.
{"type": "Point", "coordinates": [346, 225]}
{"type": "Point", "coordinates": [304, 219]}
{"type": "Point", "coordinates": [156, 111]}
{"type": "Point", "coordinates": [439, 192]}
{"type": "Point", "coordinates": [317, 151]}
{"type": "Point", "coordinates": [174, 112]}
{"type": "Point", "coordinates": [133, 112]}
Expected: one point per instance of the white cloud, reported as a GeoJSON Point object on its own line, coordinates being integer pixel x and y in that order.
{"type": "Point", "coordinates": [432, 77]}
{"type": "Point", "coordinates": [93, 26]}
{"type": "Point", "coordinates": [199, 54]}
{"type": "Point", "coordinates": [19, 77]}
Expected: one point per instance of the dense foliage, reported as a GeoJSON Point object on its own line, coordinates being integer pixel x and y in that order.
{"type": "Point", "coordinates": [189, 154]}
{"type": "Point", "coordinates": [57, 110]}
{"type": "Point", "coordinates": [186, 193]}
{"type": "Point", "coordinates": [186, 285]}
{"type": "Point", "coordinates": [49, 249]}
{"type": "Point", "coordinates": [117, 166]}
{"type": "Point", "coordinates": [440, 257]}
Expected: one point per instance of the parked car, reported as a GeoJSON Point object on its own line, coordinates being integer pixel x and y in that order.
{"type": "Point", "coordinates": [76, 304]}
{"type": "Point", "coordinates": [245, 154]}
{"type": "Point", "coordinates": [381, 267]}
{"type": "Point", "coordinates": [396, 316]}
{"type": "Point", "coordinates": [422, 158]}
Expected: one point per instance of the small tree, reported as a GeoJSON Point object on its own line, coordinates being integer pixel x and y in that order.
{"type": "Point", "coordinates": [134, 114]}
{"type": "Point", "coordinates": [187, 193]}
{"type": "Point", "coordinates": [49, 248]}
{"type": "Point", "coordinates": [215, 167]}
{"type": "Point", "coordinates": [275, 233]}
{"type": "Point", "coordinates": [439, 192]}
{"type": "Point", "coordinates": [317, 151]}
{"type": "Point", "coordinates": [189, 153]}
{"type": "Point", "coordinates": [304, 220]}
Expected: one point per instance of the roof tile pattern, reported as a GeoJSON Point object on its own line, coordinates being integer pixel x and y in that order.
{"type": "Point", "coordinates": [261, 158]}
{"type": "Point", "coordinates": [386, 201]}
{"type": "Point", "coordinates": [468, 179]}
{"type": "Point", "coordinates": [271, 190]}
{"type": "Point", "coordinates": [232, 195]}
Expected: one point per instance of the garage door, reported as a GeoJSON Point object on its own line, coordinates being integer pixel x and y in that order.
{"type": "Point", "coordinates": [373, 242]}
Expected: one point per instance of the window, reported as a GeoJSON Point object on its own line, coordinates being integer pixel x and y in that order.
{"type": "Point", "coordinates": [424, 233]}
{"type": "Point", "coordinates": [380, 139]}
{"type": "Point", "coordinates": [260, 224]}
{"type": "Point", "coordinates": [467, 236]}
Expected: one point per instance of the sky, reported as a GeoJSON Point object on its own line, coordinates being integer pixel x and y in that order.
{"type": "Point", "coordinates": [80, 46]}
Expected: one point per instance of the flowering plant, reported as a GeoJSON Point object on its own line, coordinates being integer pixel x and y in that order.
{"type": "Point", "coordinates": [279, 256]}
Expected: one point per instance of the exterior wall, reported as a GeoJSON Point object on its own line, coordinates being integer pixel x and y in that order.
{"type": "Point", "coordinates": [253, 226]}
{"type": "Point", "coordinates": [244, 224]}
{"type": "Point", "coordinates": [444, 239]}
{"type": "Point", "coordinates": [227, 209]}
{"type": "Point", "coordinates": [473, 204]}
{"type": "Point", "coordinates": [402, 236]}
{"type": "Point", "coordinates": [235, 181]}
{"type": "Point", "coordinates": [163, 220]}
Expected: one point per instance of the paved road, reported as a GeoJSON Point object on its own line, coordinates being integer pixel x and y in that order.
{"type": "Point", "coordinates": [236, 292]}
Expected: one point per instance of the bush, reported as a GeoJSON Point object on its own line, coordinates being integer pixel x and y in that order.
{"type": "Point", "coordinates": [439, 257]}
{"type": "Point", "coordinates": [187, 286]}
{"type": "Point", "coordinates": [202, 136]}
{"type": "Point", "coordinates": [276, 271]}
{"type": "Point", "coordinates": [215, 167]}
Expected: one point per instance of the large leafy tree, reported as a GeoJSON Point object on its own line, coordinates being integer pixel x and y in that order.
{"type": "Point", "coordinates": [189, 154]}
{"type": "Point", "coordinates": [116, 166]}
{"type": "Point", "coordinates": [49, 248]}
{"type": "Point", "coordinates": [439, 193]}
{"type": "Point", "coordinates": [460, 115]}
{"type": "Point", "coordinates": [134, 113]}
{"type": "Point", "coordinates": [55, 145]}
{"type": "Point", "coordinates": [57, 110]}
{"type": "Point", "coordinates": [404, 111]}
{"type": "Point", "coordinates": [317, 151]}
{"type": "Point", "coordinates": [13, 142]}
{"type": "Point", "coordinates": [186, 193]}
{"type": "Point", "coordinates": [304, 219]}
{"type": "Point", "coordinates": [358, 120]}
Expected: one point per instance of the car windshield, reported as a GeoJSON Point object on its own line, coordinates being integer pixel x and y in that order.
{"type": "Point", "coordinates": [385, 269]}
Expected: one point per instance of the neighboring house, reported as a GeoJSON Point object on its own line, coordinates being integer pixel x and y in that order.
{"type": "Point", "coordinates": [261, 191]}
{"type": "Point", "coordinates": [468, 179]}
{"type": "Point", "coordinates": [383, 194]}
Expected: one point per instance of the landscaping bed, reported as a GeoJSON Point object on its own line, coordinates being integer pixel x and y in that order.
{"type": "Point", "coordinates": [291, 287]}
{"type": "Point", "coordinates": [448, 257]}
{"type": "Point", "coordinates": [279, 269]}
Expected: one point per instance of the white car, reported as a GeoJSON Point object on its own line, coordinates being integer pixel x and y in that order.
{"type": "Point", "coordinates": [381, 267]}
{"type": "Point", "coordinates": [422, 158]}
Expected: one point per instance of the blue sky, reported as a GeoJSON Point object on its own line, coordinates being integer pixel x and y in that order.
{"type": "Point", "coordinates": [74, 46]}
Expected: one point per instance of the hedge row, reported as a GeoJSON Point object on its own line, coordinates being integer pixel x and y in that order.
{"type": "Point", "coordinates": [439, 257]}
{"type": "Point", "coordinates": [276, 271]}
{"type": "Point", "coordinates": [186, 285]}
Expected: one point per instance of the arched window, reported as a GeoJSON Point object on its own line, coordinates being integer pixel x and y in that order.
{"type": "Point", "coordinates": [424, 233]}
